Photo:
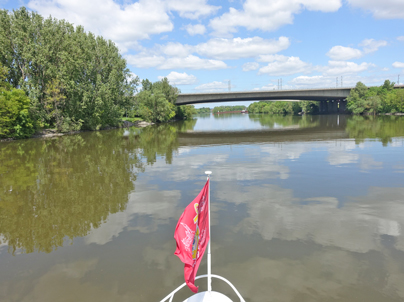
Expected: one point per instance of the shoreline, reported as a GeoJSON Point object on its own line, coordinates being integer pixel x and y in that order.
{"type": "Point", "coordinates": [49, 133]}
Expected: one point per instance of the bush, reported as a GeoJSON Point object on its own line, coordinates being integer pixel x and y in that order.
{"type": "Point", "coordinates": [154, 107]}
{"type": "Point", "coordinates": [15, 120]}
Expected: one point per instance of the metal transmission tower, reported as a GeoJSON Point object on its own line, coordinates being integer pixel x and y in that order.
{"type": "Point", "coordinates": [229, 85]}
{"type": "Point", "coordinates": [341, 82]}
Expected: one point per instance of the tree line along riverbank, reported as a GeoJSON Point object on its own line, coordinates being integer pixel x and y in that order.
{"type": "Point", "coordinates": [54, 75]}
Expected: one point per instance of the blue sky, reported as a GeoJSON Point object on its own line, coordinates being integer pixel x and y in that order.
{"type": "Point", "coordinates": [208, 45]}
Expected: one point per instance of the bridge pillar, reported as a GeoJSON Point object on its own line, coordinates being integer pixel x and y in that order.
{"type": "Point", "coordinates": [325, 107]}
{"type": "Point", "coordinates": [333, 106]}
{"type": "Point", "coordinates": [342, 106]}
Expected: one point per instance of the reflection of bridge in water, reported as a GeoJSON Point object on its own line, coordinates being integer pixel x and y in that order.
{"type": "Point", "coordinates": [323, 129]}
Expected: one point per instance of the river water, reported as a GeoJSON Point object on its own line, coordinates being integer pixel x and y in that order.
{"type": "Point", "coordinates": [303, 209]}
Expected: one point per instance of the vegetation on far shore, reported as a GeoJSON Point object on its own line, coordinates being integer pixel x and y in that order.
{"type": "Point", "coordinates": [375, 100]}
{"type": "Point", "coordinates": [283, 107]}
{"type": "Point", "coordinates": [203, 110]}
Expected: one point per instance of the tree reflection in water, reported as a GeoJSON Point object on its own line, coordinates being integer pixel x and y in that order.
{"type": "Point", "coordinates": [57, 189]}
{"type": "Point", "coordinates": [383, 128]}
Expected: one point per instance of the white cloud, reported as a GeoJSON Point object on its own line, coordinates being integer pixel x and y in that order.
{"type": "Point", "coordinates": [213, 86]}
{"type": "Point", "coordinates": [267, 16]}
{"type": "Point", "coordinates": [127, 23]}
{"type": "Point", "coordinates": [241, 48]}
{"type": "Point", "coordinates": [197, 29]}
{"type": "Point", "coordinates": [271, 58]}
{"type": "Point", "coordinates": [143, 60]}
{"type": "Point", "coordinates": [342, 67]}
{"type": "Point", "coordinates": [344, 53]}
{"type": "Point", "coordinates": [176, 49]}
{"type": "Point", "coordinates": [155, 204]}
{"type": "Point", "coordinates": [192, 9]}
{"type": "Point", "coordinates": [400, 38]}
{"type": "Point", "coordinates": [178, 78]}
{"type": "Point", "coordinates": [398, 64]}
{"type": "Point", "coordinates": [342, 153]}
{"type": "Point", "coordinates": [386, 9]}
{"type": "Point", "coordinates": [283, 65]}
{"type": "Point", "coordinates": [192, 62]}
{"type": "Point", "coordinates": [122, 24]}
{"type": "Point", "coordinates": [371, 45]}
{"type": "Point", "coordinates": [329, 81]}
{"type": "Point", "coordinates": [176, 55]}
{"type": "Point", "coordinates": [317, 81]}
{"type": "Point", "coordinates": [250, 66]}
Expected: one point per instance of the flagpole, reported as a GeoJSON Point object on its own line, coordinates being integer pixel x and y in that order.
{"type": "Point", "coordinates": [208, 173]}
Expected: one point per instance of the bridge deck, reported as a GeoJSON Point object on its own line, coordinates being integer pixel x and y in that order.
{"type": "Point", "coordinates": [324, 94]}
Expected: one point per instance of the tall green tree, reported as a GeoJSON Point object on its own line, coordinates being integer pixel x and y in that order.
{"type": "Point", "coordinates": [154, 107]}
{"type": "Point", "coordinates": [156, 102]}
{"type": "Point", "coordinates": [97, 85]}
{"type": "Point", "coordinates": [356, 101]}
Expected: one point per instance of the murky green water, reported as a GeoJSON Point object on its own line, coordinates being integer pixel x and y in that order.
{"type": "Point", "coordinates": [303, 209]}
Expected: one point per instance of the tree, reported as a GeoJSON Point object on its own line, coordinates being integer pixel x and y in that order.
{"type": "Point", "coordinates": [93, 78]}
{"type": "Point", "coordinates": [373, 103]}
{"type": "Point", "coordinates": [154, 107]}
{"type": "Point", "coordinates": [15, 120]}
{"type": "Point", "coordinates": [356, 101]}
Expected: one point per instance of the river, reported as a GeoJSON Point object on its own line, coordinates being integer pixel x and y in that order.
{"type": "Point", "coordinates": [305, 208]}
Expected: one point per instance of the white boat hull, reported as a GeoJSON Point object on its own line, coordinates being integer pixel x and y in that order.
{"type": "Point", "coordinates": [211, 296]}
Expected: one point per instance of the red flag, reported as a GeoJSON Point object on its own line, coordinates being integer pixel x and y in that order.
{"type": "Point", "coordinates": [192, 235]}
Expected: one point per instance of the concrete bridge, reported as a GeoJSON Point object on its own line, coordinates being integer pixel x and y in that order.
{"type": "Point", "coordinates": [324, 94]}
{"type": "Point", "coordinates": [331, 99]}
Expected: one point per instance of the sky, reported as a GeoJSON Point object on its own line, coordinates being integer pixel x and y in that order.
{"type": "Point", "coordinates": [217, 46]}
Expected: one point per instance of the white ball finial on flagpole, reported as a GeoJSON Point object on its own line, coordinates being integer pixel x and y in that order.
{"type": "Point", "coordinates": [208, 172]}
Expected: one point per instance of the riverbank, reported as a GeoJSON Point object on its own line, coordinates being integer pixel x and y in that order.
{"type": "Point", "coordinates": [48, 133]}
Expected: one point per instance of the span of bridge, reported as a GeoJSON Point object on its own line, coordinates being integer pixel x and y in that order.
{"type": "Point", "coordinates": [323, 94]}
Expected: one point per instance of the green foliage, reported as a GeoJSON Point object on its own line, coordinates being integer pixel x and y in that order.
{"type": "Point", "coordinates": [154, 107]}
{"type": "Point", "coordinates": [203, 110]}
{"type": "Point", "coordinates": [156, 102]}
{"type": "Point", "coordinates": [374, 100]}
{"type": "Point", "coordinates": [309, 107]}
{"type": "Point", "coordinates": [228, 108]}
{"type": "Point", "coordinates": [73, 78]}
{"type": "Point", "coordinates": [131, 119]}
{"type": "Point", "coordinates": [357, 99]}
{"type": "Point", "coordinates": [15, 120]}
{"type": "Point", "coordinates": [277, 107]}
{"type": "Point", "coordinates": [185, 112]}
{"type": "Point", "coordinates": [147, 85]}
